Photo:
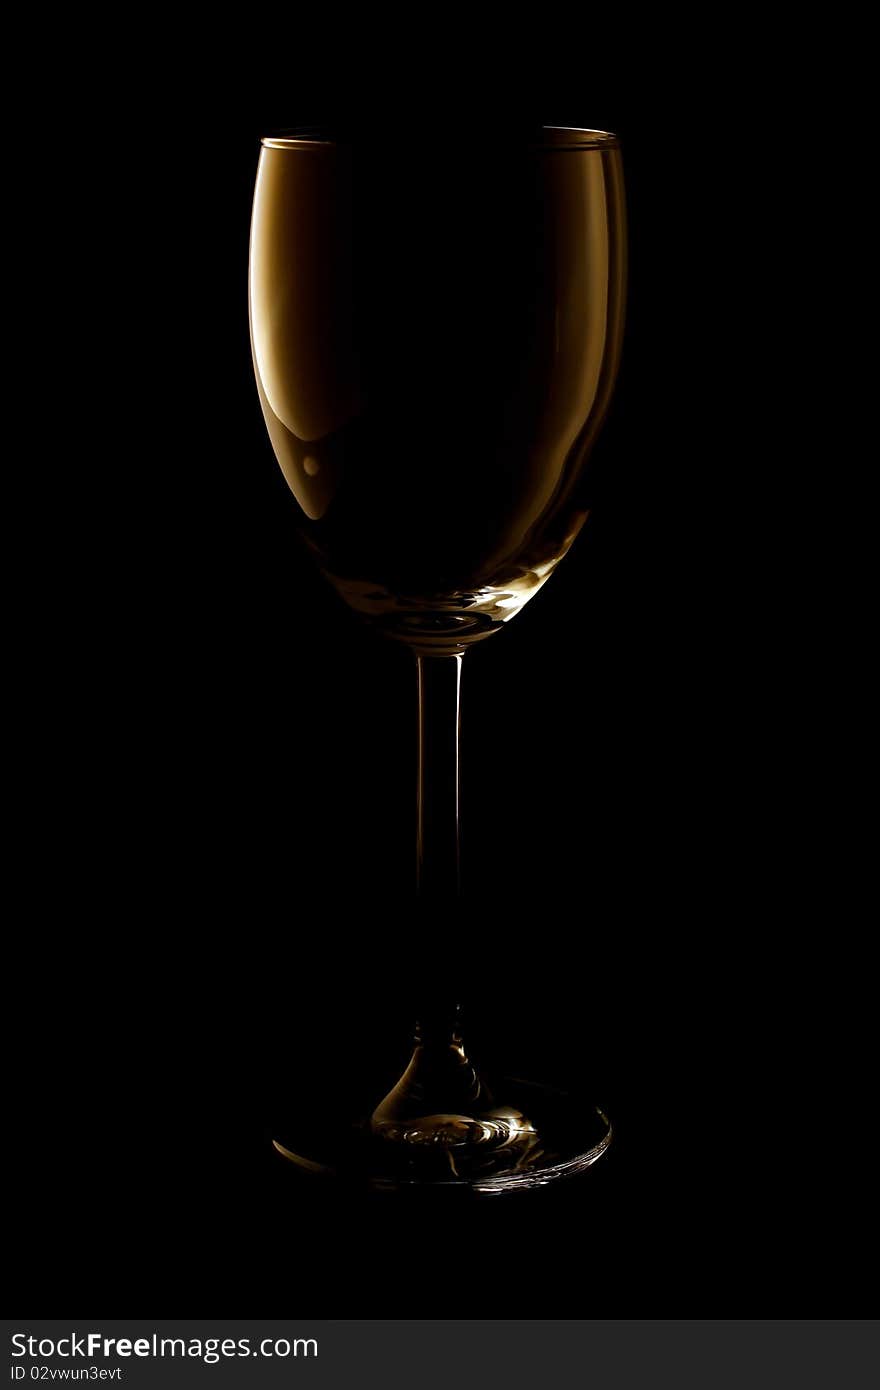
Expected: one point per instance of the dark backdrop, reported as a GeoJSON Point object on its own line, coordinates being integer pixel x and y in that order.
{"type": "Point", "coordinates": [216, 815]}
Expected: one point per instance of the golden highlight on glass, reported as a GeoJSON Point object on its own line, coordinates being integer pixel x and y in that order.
{"type": "Point", "coordinates": [435, 347]}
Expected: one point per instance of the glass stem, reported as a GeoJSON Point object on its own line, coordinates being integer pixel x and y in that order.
{"type": "Point", "coordinates": [439, 1086]}
{"type": "Point", "coordinates": [437, 846]}
{"type": "Point", "coordinates": [437, 857]}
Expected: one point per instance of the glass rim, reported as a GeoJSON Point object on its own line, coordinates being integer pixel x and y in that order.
{"type": "Point", "coordinates": [546, 137]}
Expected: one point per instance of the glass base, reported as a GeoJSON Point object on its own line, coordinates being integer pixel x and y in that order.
{"type": "Point", "coordinates": [533, 1136]}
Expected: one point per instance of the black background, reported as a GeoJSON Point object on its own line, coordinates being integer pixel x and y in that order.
{"type": "Point", "coordinates": [215, 818]}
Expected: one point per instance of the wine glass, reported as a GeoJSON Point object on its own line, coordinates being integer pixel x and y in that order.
{"type": "Point", "coordinates": [436, 321]}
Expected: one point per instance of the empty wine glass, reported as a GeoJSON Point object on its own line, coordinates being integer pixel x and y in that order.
{"type": "Point", "coordinates": [436, 320]}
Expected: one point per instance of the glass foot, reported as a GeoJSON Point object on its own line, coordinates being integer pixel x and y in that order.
{"type": "Point", "coordinates": [534, 1135]}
